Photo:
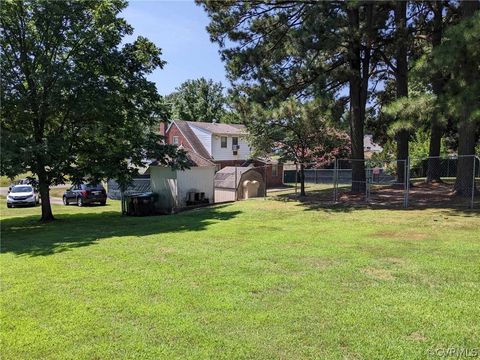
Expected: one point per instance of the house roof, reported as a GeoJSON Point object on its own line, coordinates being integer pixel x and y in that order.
{"type": "Point", "coordinates": [194, 160]}
{"type": "Point", "coordinates": [263, 160]}
{"type": "Point", "coordinates": [225, 178]}
{"type": "Point", "coordinates": [219, 128]}
{"type": "Point", "coordinates": [192, 139]}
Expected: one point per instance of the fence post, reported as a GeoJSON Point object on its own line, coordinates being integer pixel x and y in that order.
{"type": "Point", "coordinates": [473, 182]}
{"type": "Point", "coordinates": [406, 185]}
{"type": "Point", "coordinates": [315, 175]}
{"type": "Point", "coordinates": [335, 180]}
{"type": "Point", "coordinates": [296, 177]}
{"type": "Point", "coordinates": [265, 172]}
{"type": "Point", "coordinates": [367, 179]}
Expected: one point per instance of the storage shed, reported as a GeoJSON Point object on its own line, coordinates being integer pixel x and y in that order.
{"type": "Point", "coordinates": [177, 189]}
{"type": "Point", "coordinates": [237, 183]}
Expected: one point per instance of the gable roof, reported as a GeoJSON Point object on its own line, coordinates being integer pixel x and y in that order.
{"type": "Point", "coordinates": [192, 139]}
{"type": "Point", "coordinates": [218, 128]}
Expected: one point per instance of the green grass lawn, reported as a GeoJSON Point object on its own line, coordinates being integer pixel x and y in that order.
{"type": "Point", "coordinates": [258, 279]}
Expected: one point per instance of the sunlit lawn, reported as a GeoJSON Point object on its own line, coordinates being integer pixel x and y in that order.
{"type": "Point", "coordinates": [259, 279]}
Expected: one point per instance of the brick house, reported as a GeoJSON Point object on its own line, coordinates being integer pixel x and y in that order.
{"type": "Point", "coordinates": [223, 144]}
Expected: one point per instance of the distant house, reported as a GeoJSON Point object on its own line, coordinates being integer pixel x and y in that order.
{"type": "Point", "coordinates": [369, 147]}
{"type": "Point", "coordinates": [222, 144]}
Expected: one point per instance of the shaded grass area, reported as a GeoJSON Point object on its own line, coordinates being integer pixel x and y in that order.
{"type": "Point", "coordinates": [256, 279]}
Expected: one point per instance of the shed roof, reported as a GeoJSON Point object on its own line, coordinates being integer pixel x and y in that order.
{"type": "Point", "coordinates": [225, 178]}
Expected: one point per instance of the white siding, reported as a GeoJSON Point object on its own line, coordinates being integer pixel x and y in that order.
{"type": "Point", "coordinates": [219, 153]}
{"type": "Point", "coordinates": [198, 179]}
{"type": "Point", "coordinates": [204, 136]}
{"type": "Point", "coordinates": [163, 181]}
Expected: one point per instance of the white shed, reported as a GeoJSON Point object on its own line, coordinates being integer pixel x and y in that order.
{"type": "Point", "coordinates": [178, 189]}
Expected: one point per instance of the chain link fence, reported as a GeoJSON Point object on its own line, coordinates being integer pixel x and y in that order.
{"type": "Point", "coordinates": [445, 181]}
{"type": "Point", "coordinates": [380, 183]}
{"type": "Point", "coordinates": [417, 183]}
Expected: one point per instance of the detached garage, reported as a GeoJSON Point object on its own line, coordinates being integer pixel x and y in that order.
{"type": "Point", "coordinates": [238, 183]}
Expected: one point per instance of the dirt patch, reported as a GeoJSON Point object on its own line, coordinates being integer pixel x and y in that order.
{"type": "Point", "coordinates": [379, 274]}
{"type": "Point", "coordinates": [417, 336]}
{"type": "Point", "coordinates": [395, 260]}
{"type": "Point", "coordinates": [404, 235]}
{"type": "Point", "coordinates": [319, 263]}
{"type": "Point", "coordinates": [161, 252]}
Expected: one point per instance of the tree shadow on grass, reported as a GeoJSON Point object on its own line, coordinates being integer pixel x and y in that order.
{"type": "Point", "coordinates": [27, 236]}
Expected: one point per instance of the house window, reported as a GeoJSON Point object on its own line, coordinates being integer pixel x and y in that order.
{"type": "Point", "coordinates": [175, 140]}
{"type": "Point", "coordinates": [234, 141]}
{"type": "Point", "coordinates": [274, 170]}
{"type": "Point", "coordinates": [223, 142]}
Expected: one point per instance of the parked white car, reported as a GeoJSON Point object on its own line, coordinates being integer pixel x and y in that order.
{"type": "Point", "coordinates": [22, 195]}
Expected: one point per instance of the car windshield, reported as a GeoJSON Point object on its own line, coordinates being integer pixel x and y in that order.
{"type": "Point", "coordinates": [20, 189]}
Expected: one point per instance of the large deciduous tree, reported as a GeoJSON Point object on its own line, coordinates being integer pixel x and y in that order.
{"type": "Point", "coordinates": [75, 101]}
{"type": "Point", "coordinates": [198, 100]}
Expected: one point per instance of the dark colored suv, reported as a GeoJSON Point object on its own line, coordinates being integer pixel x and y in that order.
{"type": "Point", "coordinates": [85, 194]}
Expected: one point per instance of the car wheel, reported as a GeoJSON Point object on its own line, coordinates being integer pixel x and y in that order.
{"type": "Point", "coordinates": [103, 203]}
{"type": "Point", "coordinates": [9, 206]}
{"type": "Point", "coordinates": [65, 201]}
{"type": "Point", "coordinates": [79, 201]}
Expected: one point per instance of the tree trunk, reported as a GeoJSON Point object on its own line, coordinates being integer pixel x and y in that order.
{"type": "Point", "coordinates": [434, 163]}
{"type": "Point", "coordinates": [302, 180]}
{"type": "Point", "coordinates": [401, 76]}
{"type": "Point", "coordinates": [43, 185]}
{"type": "Point", "coordinates": [436, 128]}
{"type": "Point", "coordinates": [464, 184]}
{"type": "Point", "coordinates": [357, 113]}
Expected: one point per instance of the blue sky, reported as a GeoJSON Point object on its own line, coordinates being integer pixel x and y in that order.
{"type": "Point", "coordinates": [178, 28]}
